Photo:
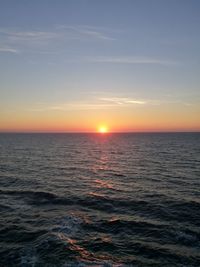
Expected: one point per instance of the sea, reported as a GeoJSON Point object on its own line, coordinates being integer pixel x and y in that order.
{"type": "Point", "coordinates": [115, 199]}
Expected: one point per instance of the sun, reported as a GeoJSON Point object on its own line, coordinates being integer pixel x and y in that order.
{"type": "Point", "coordinates": [102, 129]}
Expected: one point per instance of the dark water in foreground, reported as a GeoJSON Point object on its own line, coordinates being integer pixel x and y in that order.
{"type": "Point", "coordinates": [100, 200]}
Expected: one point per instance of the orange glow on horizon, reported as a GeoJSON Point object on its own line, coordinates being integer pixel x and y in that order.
{"type": "Point", "coordinates": [103, 129]}
{"type": "Point", "coordinates": [149, 119]}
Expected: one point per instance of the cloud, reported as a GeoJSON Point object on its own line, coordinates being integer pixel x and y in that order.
{"type": "Point", "coordinates": [15, 40]}
{"type": "Point", "coordinates": [131, 60]}
{"type": "Point", "coordinates": [95, 104]}
{"type": "Point", "coordinates": [8, 50]}
{"type": "Point", "coordinates": [81, 106]}
{"type": "Point", "coordinates": [73, 106]}
{"type": "Point", "coordinates": [61, 32]}
{"type": "Point", "coordinates": [87, 32]}
{"type": "Point", "coordinates": [123, 100]}
{"type": "Point", "coordinates": [103, 103]}
{"type": "Point", "coordinates": [16, 33]}
{"type": "Point", "coordinates": [49, 40]}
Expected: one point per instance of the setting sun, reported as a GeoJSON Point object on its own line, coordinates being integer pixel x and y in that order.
{"type": "Point", "coordinates": [103, 129]}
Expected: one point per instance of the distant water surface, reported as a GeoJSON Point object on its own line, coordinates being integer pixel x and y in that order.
{"type": "Point", "coordinates": [100, 200]}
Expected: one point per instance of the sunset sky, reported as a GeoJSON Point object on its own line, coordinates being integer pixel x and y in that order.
{"type": "Point", "coordinates": [77, 65]}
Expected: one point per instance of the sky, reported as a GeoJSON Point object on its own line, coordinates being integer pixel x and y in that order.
{"type": "Point", "coordinates": [77, 65]}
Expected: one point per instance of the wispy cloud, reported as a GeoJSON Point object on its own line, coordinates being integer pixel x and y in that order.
{"type": "Point", "coordinates": [93, 104]}
{"type": "Point", "coordinates": [15, 35]}
{"type": "Point", "coordinates": [57, 35]}
{"type": "Point", "coordinates": [104, 103]}
{"type": "Point", "coordinates": [131, 60]}
{"type": "Point", "coordinates": [8, 50]}
{"type": "Point", "coordinates": [27, 39]}
{"type": "Point", "coordinates": [81, 106]}
{"type": "Point", "coordinates": [73, 106]}
{"type": "Point", "coordinates": [85, 32]}
{"type": "Point", "coordinates": [123, 100]}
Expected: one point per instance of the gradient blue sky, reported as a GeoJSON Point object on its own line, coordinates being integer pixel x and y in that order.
{"type": "Point", "coordinates": [113, 58]}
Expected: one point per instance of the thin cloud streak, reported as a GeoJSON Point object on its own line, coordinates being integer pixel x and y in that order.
{"type": "Point", "coordinates": [104, 103]}
{"type": "Point", "coordinates": [98, 104]}
{"type": "Point", "coordinates": [8, 50]}
{"type": "Point", "coordinates": [74, 106]}
{"type": "Point", "coordinates": [16, 36]}
{"type": "Point", "coordinates": [57, 33]}
{"type": "Point", "coordinates": [85, 32]}
{"type": "Point", "coordinates": [131, 60]}
{"type": "Point", "coordinates": [77, 106]}
{"type": "Point", "coordinates": [123, 101]}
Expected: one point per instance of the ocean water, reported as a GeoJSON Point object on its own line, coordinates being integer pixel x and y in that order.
{"type": "Point", "coordinates": [100, 200]}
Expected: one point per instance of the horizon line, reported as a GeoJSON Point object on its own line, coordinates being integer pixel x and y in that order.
{"type": "Point", "coordinates": [95, 132]}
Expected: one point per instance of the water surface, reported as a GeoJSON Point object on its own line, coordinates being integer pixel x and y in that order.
{"type": "Point", "coordinates": [100, 200]}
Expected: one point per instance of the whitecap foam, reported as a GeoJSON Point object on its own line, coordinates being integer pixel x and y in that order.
{"type": "Point", "coordinates": [69, 225]}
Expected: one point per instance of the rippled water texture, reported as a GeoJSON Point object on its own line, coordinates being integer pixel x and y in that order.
{"type": "Point", "coordinates": [100, 200]}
